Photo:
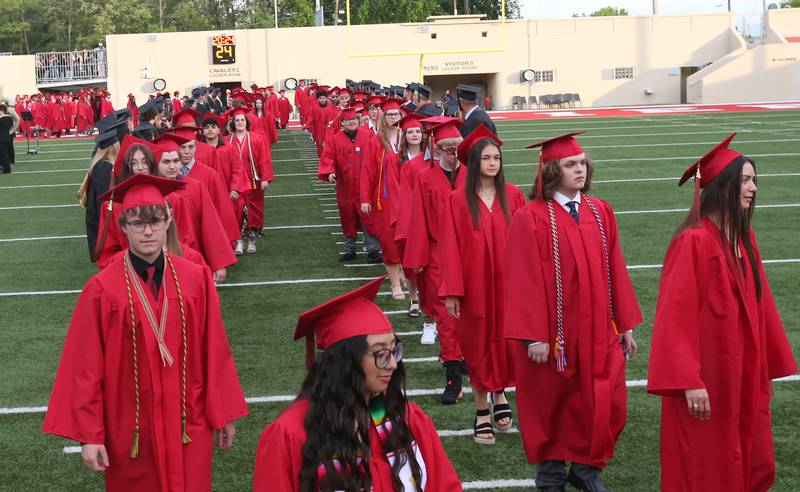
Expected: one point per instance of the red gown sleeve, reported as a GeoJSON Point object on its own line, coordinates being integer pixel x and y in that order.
{"type": "Point", "coordinates": [279, 459]}
{"type": "Point", "coordinates": [442, 476]}
{"type": "Point", "coordinates": [327, 163]}
{"type": "Point", "coordinates": [675, 361]}
{"type": "Point", "coordinates": [626, 308]}
{"type": "Point", "coordinates": [780, 360]}
{"type": "Point", "coordinates": [369, 168]}
{"type": "Point", "coordinates": [216, 248]}
{"type": "Point", "coordinates": [418, 246]}
{"type": "Point", "coordinates": [224, 397]}
{"type": "Point", "coordinates": [450, 257]}
{"type": "Point", "coordinates": [267, 173]}
{"type": "Point", "coordinates": [75, 410]}
{"type": "Point", "coordinates": [527, 301]}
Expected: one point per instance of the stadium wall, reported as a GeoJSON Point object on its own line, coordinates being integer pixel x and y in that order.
{"type": "Point", "coordinates": [17, 76]}
{"type": "Point", "coordinates": [588, 56]}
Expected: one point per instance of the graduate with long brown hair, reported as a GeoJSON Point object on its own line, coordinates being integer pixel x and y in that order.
{"type": "Point", "coordinates": [718, 339]}
{"type": "Point", "coordinates": [476, 222]}
{"type": "Point", "coordinates": [570, 311]}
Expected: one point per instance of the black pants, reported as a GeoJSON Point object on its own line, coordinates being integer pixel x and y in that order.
{"type": "Point", "coordinates": [5, 157]}
{"type": "Point", "coordinates": [554, 473]}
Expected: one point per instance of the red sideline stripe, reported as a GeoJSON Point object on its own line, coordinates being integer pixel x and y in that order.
{"type": "Point", "coordinates": [543, 114]}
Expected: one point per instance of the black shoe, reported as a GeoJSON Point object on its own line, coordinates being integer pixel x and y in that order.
{"type": "Point", "coordinates": [462, 368]}
{"type": "Point", "coordinates": [586, 485]}
{"type": "Point", "coordinates": [452, 390]}
{"type": "Point", "coordinates": [552, 488]}
{"type": "Point", "coordinates": [374, 258]}
{"type": "Point", "coordinates": [349, 256]}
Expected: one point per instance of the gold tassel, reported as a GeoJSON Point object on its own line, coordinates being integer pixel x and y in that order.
{"type": "Point", "coordinates": [614, 326]}
{"type": "Point", "coordinates": [135, 445]}
{"type": "Point", "coordinates": [186, 439]}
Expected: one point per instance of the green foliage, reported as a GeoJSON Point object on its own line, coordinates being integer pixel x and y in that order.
{"type": "Point", "coordinates": [605, 12]}
{"type": "Point", "coordinates": [790, 4]}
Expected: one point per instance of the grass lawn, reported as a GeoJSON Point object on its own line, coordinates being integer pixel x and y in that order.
{"type": "Point", "coordinates": [637, 164]}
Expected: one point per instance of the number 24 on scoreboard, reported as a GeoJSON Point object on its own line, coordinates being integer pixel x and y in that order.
{"type": "Point", "coordinates": [223, 50]}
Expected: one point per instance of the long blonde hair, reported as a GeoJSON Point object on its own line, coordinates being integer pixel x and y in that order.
{"type": "Point", "coordinates": [108, 154]}
{"type": "Point", "coordinates": [383, 131]}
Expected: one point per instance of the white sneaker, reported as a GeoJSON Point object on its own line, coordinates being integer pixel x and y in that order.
{"type": "Point", "coordinates": [239, 250]}
{"type": "Point", "coordinates": [251, 246]}
{"type": "Point", "coordinates": [428, 334]}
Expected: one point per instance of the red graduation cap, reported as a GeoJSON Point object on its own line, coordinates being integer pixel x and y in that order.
{"type": "Point", "coordinates": [359, 96]}
{"type": "Point", "coordinates": [254, 87]}
{"type": "Point", "coordinates": [185, 117]}
{"type": "Point", "coordinates": [142, 189]}
{"type": "Point", "coordinates": [710, 165]}
{"type": "Point", "coordinates": [344, 91]}
{"type": "Point", "coordinates": [481, 132]}
{"type": "Point", "coordinates": [554, 149]}
{"type": "Point", "coordinates": [412, 120]}
{"type": "Point", "coordinates": [375, 101]}
{"type": "Point", "coordinates": [187, 132]}
{"type": "Point", "coordinates": [707, 168]}
{"type": "Point", "coordinates": [220, 119]}
{"type": "Point", "coordinates": [167, 143]}
{"type": "Point", "coordinates": [335, 90]}
{"type": "Point", "coordinates": [441, 127]}
{"type": "Point", "coordinates": [243, 110]}
{"type": "Point", "coordinates": [352, 314]}
{"type": "Point", "coordinates": [348, 114]}
{"type": "Point", "coordinates": [128, 142]}
{"type": "Point", "coordinates": [359, 106]}
{"type": "Point", "coordinates": [391, 104]}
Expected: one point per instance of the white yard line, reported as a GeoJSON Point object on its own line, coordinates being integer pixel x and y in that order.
{"type": "Point", "coordinates": [631, 383]}
{"type": "Point", "coordinates": [590, 136]}
{"type": "Point", "coordinates": [644, 159]}
{"type": "Point", "coordinates": [333, 280]}
{"type": "Point", "coordinates": [669, 144]}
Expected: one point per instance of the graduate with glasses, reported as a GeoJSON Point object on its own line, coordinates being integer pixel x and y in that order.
{"type": "Point", "coordinates": [351, 427]}
{"type": "Point", "coordinates": [718, 340]}
{"type": "Point", "coordinates": [570, 312]}
{"type": "Point", "coordinates": [147, 382]}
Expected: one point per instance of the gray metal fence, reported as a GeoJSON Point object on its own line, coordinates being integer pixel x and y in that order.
{"type": "Point", "coordinates": [66, 66]}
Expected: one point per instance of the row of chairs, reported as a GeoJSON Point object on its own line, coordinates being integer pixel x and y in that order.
{"type": "Point", "coordinates": [546, 101]}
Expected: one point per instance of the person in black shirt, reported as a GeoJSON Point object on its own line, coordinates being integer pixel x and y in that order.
{"type": "Point", "coordinates": [6, 127]}
{"type": "Point", "coordinates": [474, 115]}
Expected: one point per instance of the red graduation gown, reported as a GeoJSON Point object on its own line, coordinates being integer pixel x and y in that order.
{"type": "Point", "coordinates": [576, 415]}
{"type": "Point", "coordinates": [93, 395]}
{"type": "Point", "coordinates": [106, 108]}
{"type": "Point", "coordinates": [199, 224]}
{"type": "Point", "coordinates": [422, 250]}
{"type": "Point", "coordinates": [343, 157]}
{"type": "Point", "coordinates": [284, 110]}
{"type": "Point", "coordinates": [711, 331]}
{"type": "Point", "coordinates": [219, 195]}
{"type": "Point", "coordinates": [409, 172]}
{"type": "Point", "coordinates": [242, 176]}
{"type": "Point", "coordinates": [379, 187]}
{"type": "Point", "coordinates": [472, 263]}
{"type": "Point", "coordinates": [279, 457]}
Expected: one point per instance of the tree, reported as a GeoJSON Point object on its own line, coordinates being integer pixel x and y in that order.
{"type": "Point", "coordinates": [608, 12]}
{"type": "Point", "coordinates": [790, 4]}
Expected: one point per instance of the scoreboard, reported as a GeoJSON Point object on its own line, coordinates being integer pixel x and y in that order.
{"type": "Point", "coordinates": [223, 49]}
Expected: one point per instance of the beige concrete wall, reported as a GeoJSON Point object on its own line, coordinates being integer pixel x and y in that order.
{"type": "Point", "coordinates": [785, 21]}
{"type": "Point", "coordinates": [767, 73]}
{"type": "Point", "coordinates": [582, 52]}
{"type": "Point", "coordinates": [18, 76]}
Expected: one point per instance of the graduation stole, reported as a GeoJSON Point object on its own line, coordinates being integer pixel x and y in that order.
{"type": "Point", "coordinates": [559, 347]}
{"type": "Point", "coordinates": [127, 268]}
{"type": "Point", "coordinates": [160, 328]}
{"type": "Point", "coordinates": [255, 183]}
{"type": "Point", "coordinates": [383, 427]}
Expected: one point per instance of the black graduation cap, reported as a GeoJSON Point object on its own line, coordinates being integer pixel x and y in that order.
{"type": "Point", "coordinates": [467, 92]}
{"type": "Point", "coordinates": [159, 104]}
{"type": "Point", "coordinates": [106, 139]}
{"type": "Point", "coordinates": [424, 91]}
{"type": "Point", "coordinates": [148, 106]}
{"type": "Point", "coordinates": [108, 123]}
{"type": "Point", "coordinates": [199, 92]}
{"type": "Point", "coordinates": [123, 115]}
{"type": "Point", "coordinates": [429, 110]}
{"type": "Point", "coordinates": [412, 86]}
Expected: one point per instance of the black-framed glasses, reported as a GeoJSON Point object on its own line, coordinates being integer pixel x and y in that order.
{"type": "Point", "coordinates": [140, 225]}
{"type": "Point", "coordinates": [383, 357]}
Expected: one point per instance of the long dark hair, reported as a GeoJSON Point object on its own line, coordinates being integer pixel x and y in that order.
{"type": "Point", "coordinates": [152, 165]}
{"type": "Point", "coordinates": [474, 181]}
{"type": "Point", "coordinates": [338, 421]}
{"type": "Point", "coordinates": [721, 200]}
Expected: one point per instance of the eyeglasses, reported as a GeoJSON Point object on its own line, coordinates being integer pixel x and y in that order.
{"type": "Point", "coordinates": [383, 357]}
{"type": "Point", "coordinates": [140, 225]}
{"type": "Point", "coordinates": [393, 114]}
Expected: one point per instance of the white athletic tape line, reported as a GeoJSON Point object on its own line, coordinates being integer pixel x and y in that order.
{"type": "Point", "coordinates": [22, 187]}
{"type": "Point", "coordinates": [329, 280]}
{"type": "Point", "coordinates": [44, 238]}
{"type": "Point", "coordinates": [297, 195]}
{"type": "Point", "coordinates": [631, 383]}
{"type": "Point", "coordinates": [415, 360]}
{"type": "Point", "coordinates": [588, 136]}
{"type": "Point", "coordinates": [268, 228]}
{"type": "Point", "coordinates": [504, 483]}
{"type": "Point", "coordinates": [80, 169]}
{"type": "Point", "coordinates": [670, 144]}
{"type": "Point", "coordinates": [642, 159]}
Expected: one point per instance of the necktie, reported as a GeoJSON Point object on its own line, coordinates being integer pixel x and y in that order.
{"type": "Point", "coordinates": [150, 282]}
{"type": "Point", "coordinates": [185, 170]}
{"type": "Point", "coordinates": [573, 210]}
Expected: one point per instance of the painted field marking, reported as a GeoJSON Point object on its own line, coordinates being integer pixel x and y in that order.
{"type": "Point", "coordinates": [333, 280]}
{"type": "Point", "coordinates": [642, 159]}
{"type": "Point", "coordinates": [672, 144]}
{"type": "Point", "coordinates": [631, 383]}
{"type": "Point", "coordinates": [630, 135]}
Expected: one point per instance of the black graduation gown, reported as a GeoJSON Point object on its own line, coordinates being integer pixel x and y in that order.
{"type": "Point", "coordinates": [476, 118]}
{"type": "Point", "coordinates": [99, 182]}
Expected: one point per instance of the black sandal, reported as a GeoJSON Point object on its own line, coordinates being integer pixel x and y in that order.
{"type": "Point", "coordinates": [413, 309]}
{"type": "Point", "coordinates": [483, 429]}
{"type": "Point", "coordinates": [501, 411]}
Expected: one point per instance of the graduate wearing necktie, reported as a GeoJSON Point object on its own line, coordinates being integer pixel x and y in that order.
{"type": "Point", "coordinates": [570, 309]}
{"type": "Point", "coordinates": [147, 381]}
{"type": "Point", "coordinates": [718, 340]}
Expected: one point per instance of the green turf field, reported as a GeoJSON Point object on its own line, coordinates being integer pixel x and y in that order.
{"type": "Point", "coordinates": [638, 161]}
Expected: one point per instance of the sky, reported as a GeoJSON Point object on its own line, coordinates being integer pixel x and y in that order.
{"type": "Point", "coordinates": [748, 11]}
